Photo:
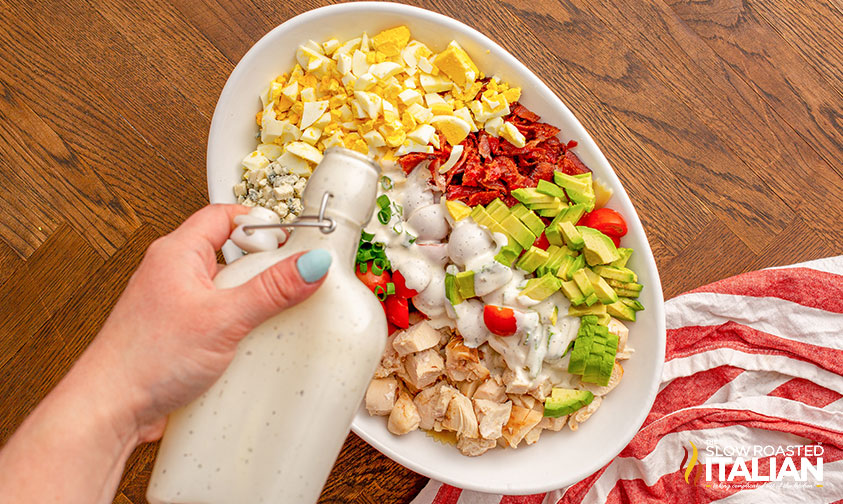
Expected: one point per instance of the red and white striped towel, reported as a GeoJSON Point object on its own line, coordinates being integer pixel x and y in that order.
{"type": "Point", "coordinates": [752, 360]}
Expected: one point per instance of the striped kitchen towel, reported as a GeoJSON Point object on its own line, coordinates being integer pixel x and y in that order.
{"type": "Point", "coordinates": [752, 385]}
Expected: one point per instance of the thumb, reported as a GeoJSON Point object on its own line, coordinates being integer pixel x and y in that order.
{"type": "Point", "coordinates": [281, 286]}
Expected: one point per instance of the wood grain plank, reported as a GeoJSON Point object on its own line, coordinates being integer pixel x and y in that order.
{"type": "Point", "coordinates": [60, 180]}
{"type": "Point", "coordinates": [121, 499]}
{"type": "Point", "coordinates": [744, 114]}
{"type": "Point", "coordinates": [589, 49]}
{"type": "Point", "coordinates": [814, 28]}
{"type": "Point", "coordinates": [72, 311]}
{"type": "Point", "coordinates": [152, 26]}
{"type": "Point", "coordinates": [24, 225]}
{"type": "Point", "coordinates": [93, 127]}
{"type": "Point", "coordinates": [794, 90]}
{"type": "Point", "coordinates": [10, 260]}
{"type": "Point", "coordinates": [785, 251]}
{"type": "Point", "coordinates": [33, 293]}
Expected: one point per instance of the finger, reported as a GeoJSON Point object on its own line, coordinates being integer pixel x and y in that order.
{"type": "Point", "coordinates": [283, 285]}
{"type": "Point", "coordinates": [212, 224]}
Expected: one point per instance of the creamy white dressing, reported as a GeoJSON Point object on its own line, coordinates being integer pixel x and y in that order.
{"type": "Point", "coordinates": [470, 322]}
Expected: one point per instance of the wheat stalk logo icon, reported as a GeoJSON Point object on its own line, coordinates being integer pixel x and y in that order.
{"type": "Point", "coordinates": [691, 463]}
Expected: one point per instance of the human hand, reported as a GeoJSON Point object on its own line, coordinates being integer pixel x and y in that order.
{"type": "Point", "coordinates": [173, 333]}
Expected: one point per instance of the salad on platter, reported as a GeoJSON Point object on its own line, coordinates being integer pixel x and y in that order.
{"type": "Point", "coordinates": [499, 266]}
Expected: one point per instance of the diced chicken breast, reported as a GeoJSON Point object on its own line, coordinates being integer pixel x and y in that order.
{"type": "Point", "coordinates": [534, 434]}
{"type": "Point", "coordinates": [614, 379]}
{"type": "Point", "coordinates": [472, 447]}
{"type": "Point", "coordinates": [583, 414]}
{"type": "Point", "coordinates": [491, 416]}
{"type": "Point", "coordinates": [381, 395]}
{"type": "Point", "coordinates": [404, 417]}
{"type": "Point", "coordinates": [524, 401]}
{"type": "Point", "coordinates": [467, 388]}
{"type": "Point", "coordinates": [463, 363]}
{"type": "Point", "coordinates": [390, 361]}
{"type": "Point", "coordinates": [516, 383]}
{"type": "Point", "coordinates": [491, 390]}
{"type": "Point", "coordinates": [423, 368]}
{"type": "Point", "coordinates": [554, 424]}
{"type": "Point", "coordinates": [520, 422]}
{"type": "Point", "coordinates": [541, 389]}
{"type": "Point", "coordinates": [415, 339]}
{"type": "Point", "coordinates": [432, 403]}
{"type": "Point", "coordinates": [460, 417]}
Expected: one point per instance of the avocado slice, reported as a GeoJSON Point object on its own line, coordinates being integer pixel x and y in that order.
{"type": "Point", "coordinates": [583, 283]}
{"type": "Point", "coordinates": [541, 288]}
{"type": "Point", "coordinates": [533, 222]}
{"type": "Point", "coordinates": [625, 254]}
{"type": "Point", "coordinates": [595, 309]}
{"type": "Point", "coordinates": [509, 253]}
{"type": "Point", "coordinates": [632, 303]}
{"type": "Point", "coordinates": [563, 402]}
{"type": "Point", "coordinates": [519, 210]}
{"type": "Point", "coordinates": [626, 285]}
{"type": "Point", "coordinates": [598, 248]}
{"type": "Point", "coordinates": [572, 292]}
{"type": "Point", "coordinates": [621, 310]}
{"type": "Point", "coordinates": [591, 373]}
{"type": "Point", "coordinates": [497, 210]}
{"type": "Point", "coordinates": [532, 259]}
{"type": "Point", "coordinates": [515, 228]}
{"type": "Point", "coordinates": [578, 187]}
{"type": "Point", "coordinates": [451, 291]}
{"type": "Point", "coordinates": [554, 210]}
{"type": "Point", "coordinates": [604, 292]}
{"type": "Point", "coordinates": [566, 263]}
{"type": "Point", "coordinates": [626, 293]}
{"type": "Point", "coordinates": [615, 273]}
{"type": "Point", "coordinates": [577, 263]}
{"type": "Point", "coordinates": [591, 299]}
{"type": "Point", "coordinates": [530, 196]}
{"type": "Point", "coordinates": [553, 232]}
{"type": "Point", "coordinates": [573, 213]}
{"type": "Point", "coordinates": [579, 354]}
{"type": "Point", "coordinates": [557, 255]}
{"type": "Point", "coordinates": [551, 189]}
{"type": "Point", "coordinates": [572, 236]}
{"type": "Point", "coordinates": [465, 284]}
{"type": "Point", "coordinates": [604, 319]}
{"type": "Point", "coordinates": [481, 216]}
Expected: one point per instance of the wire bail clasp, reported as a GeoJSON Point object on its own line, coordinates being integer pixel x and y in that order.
{"type": "Point", "coordinates": [325, 224]}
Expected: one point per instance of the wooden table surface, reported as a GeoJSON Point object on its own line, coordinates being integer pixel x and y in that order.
{"type": "Point", "coordinates": [723, 119]}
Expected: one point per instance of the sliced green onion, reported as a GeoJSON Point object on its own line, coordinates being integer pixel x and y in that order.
{"type": "Point", "coordinates": [380, 292]}
{"type": "Point", "coordinates": [390, 289]}
{"type": "Point", "coordinates": [383, 201]}
{"type": "Point", "coordinates": [364, 267]}
{"type": "Point", "coordinates": [398, 228]}
{"type": "Point", "coordinates": [399, 209]}
{"type": "Point", "coordinates": [378, 266]}
{"type": "Point", "coordinates": [366, 237]}
{"type": "Point", "coordinates": [384, 215]}
{"type": "Point", "coordinates": [377, 247]}
{"type": "Point", "coordinates": [386, 183]}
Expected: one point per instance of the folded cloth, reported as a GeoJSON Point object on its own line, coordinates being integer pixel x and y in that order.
{"type": "Point", "coordinates": [753, 370]}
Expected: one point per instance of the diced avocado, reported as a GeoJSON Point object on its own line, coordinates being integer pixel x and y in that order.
{"type": "Point", "coordinates": [481, 216]}
{"type": "Point", "coordinates": [591, 373]}
{"type": "Point", "coordinates": [604, 319]}
{"type": "Point", "coordinates": [621, 310]}
{"type": "Point", "coordinates": [518, 210]}
{"type": "Point", "coordinates": [572, 292]}
{"type": "Point", "coordinates": [541, 288]}
{"type": "Point", "coordinates": [532, 259]}
{"type": "Point", "coordinates": [529, 196]}
{"type": "Point", "coordinates": [554, 234]}
{"type": "Point", "coordinates": [451, 291]}
{"type": "Point", "coordinates": [583, 283]}
{"type": "Point", "coordinates": [518, 231]}
{"type": "Point", "coordinates": [580, 352]}
{"type": "Point", "coordinates": [566, 263]}
{"type": "Point", "coordinates": [557, 255]}
{"type": "Point", "coordinates": [497, 210]}
{"type": "Point", "coordinates": [615, 273]}
{"type": "Point", "coordinates": [572, 214]}
{"type": "Point", "coordinates": [578, 311]}
{"type": "Point", "coordinates": [598, 248]}
{"type": "Point", "coordinates": [572, 236]}
{"type": "Point", "coordinates": [496, 227]}
{"type": "Point", "coordinates": [551, 189]}
{"type": "Point", "coordinates": [632, 303]}
{"type": "Point", "coordinates": [554, 210]}
{"type": "Point", "coordinates": [509, 253]}
{"type": "Point", "coordinates": [604, 292]}
{"type": "Point", "coordinates": [627, 293]}
{"type": "Point", "coordinates": [458, 209]}
{"type": "Point", "coordinates": [591, 299]}
{"type": "Point", "coordinates": [566, 401]}
{"type": "Point", "coordinates": [626, 285]}
{"type": "Point", "coordinates": [571, 183]}
{"type": "Point", "coordinates": [465, 284]}
{"type": "Point", "coordinates": [533, 223]}
{"type": "Point", "coordinates": [611, 345]}
{"type": "Point", "coordinates": [575, 264]}
{"type": "Point", "coordinates": [625, 254]}
{"type": "Point", "coordinates": [554, 203]}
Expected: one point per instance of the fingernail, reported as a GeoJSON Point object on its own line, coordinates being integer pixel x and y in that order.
{"type": "Point", "coordinates": [313, 265]}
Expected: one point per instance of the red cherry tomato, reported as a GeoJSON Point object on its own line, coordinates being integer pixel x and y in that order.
{"type": "Point", "coordinates": [401, 287]}
{"type": "Point", "coordinates": [500, 320]}
{"type": "Point", "coordinates": [607, 221]}
{"type": "Point", "coordinates": [398, 311]}
{"type": "Point", "coordinates": [370, 279]}
{"type": "Point", "coordinates": [541, 242]}
{"type": "Point", "coordinates": [390, 328]}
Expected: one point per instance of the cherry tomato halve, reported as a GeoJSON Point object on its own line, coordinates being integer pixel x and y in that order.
{"type": "Point", "coordinates": [370, 279]}
{"type": "Point", "coordinates": [401, 286]}
{"type": "Point", "coordinates": [500, 320]}
{"type": "Point", "coordinates": [398, 311]}
{"type": "Point", "coordinates": [607, 221]}
{"type": "Point", "coordinates": [541, 242]}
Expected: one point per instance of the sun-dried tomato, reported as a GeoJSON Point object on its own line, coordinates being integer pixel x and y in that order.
{"type": "Point", "coordinates": [571, 164]}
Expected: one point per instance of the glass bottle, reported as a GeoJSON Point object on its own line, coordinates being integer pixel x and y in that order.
{"type": "Point", "coordinates": [271, 427]}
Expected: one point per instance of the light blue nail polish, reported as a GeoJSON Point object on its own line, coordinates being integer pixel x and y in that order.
{"type": "Point", "coordinates": [313, 265]}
